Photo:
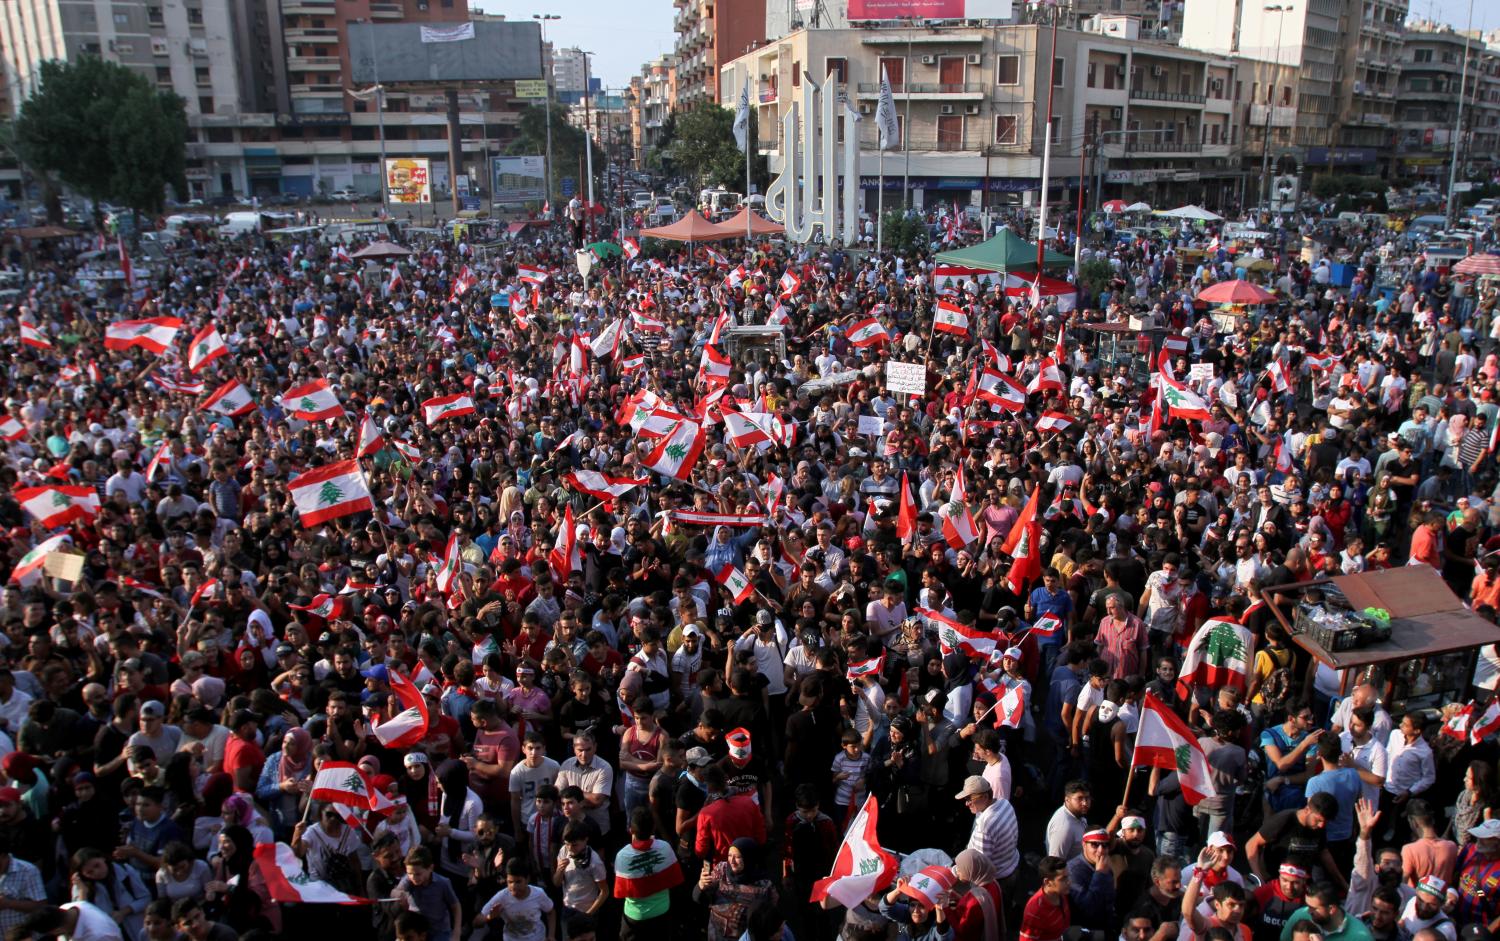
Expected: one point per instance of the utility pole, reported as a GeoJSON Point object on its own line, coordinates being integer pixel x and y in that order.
{"type": "Point", "coordinates": [1458, 122]}
{"type": "Point", "coordinates": [588, 142]}
{"type": "Point", "coordinates": [547, 76]}
{"type": "Point", "coordinates": [1265, 144]}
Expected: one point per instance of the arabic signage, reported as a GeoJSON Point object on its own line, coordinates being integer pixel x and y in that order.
{"type": "Point", "coordinates": [408, 179]}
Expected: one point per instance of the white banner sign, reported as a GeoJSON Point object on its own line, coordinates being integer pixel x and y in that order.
{"type": "Point", "coordinates": [871, 425]}
{"type": "Point", "coordinates": [910, 378]}
{"type": "Point", "coordinates": [448, 33]}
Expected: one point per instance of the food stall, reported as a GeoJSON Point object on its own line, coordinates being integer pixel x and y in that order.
{"type": "Point", "coordinates": [1403, 630]}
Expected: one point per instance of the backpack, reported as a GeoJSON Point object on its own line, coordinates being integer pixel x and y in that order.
{"type": "Point", "coordinates": [1277, 688]}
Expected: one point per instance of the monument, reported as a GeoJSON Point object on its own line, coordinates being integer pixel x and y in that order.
{"type": "Point", "coordinates": [805, 196]}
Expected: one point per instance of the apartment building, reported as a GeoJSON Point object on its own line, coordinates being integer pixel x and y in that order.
{"type": "Point", "coordinates": [654, 102]}
{"type": "Point", "coordinates": [1432, 75]}
{"type": "Point", "coordinates": [569, 71]}
{"type": "Point", "coordinates": [1146, 120]}
{"type": "Point", "coordinates": [709, 34]}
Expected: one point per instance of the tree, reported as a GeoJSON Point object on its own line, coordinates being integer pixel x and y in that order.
{"type": "Point", "coordinates": [704, 150]}
{"type": "Point", "coordinates": [103, 130]}
{"type": "Point", "coordinates": [1095, 275]}
{"type": "Point", "coordinates": [567, 147]}
{"type": "Point", "coordinates": [903, 234]}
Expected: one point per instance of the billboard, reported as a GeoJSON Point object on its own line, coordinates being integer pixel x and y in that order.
{"type": "Point", "coordinates": [520, 179]}
{"type": "Point", "coordinates": [411, 53]}
{"type": "Point", "coordinates": [408, 179]}
{"type": "Point", "coordinates": [532, 89]}
{"type": "Point", "coordinates": [930, 9]}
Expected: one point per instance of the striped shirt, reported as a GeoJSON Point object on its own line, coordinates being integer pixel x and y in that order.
{"type": "Point", "coordinates": [996, 837]}
{"type": "Point", "coordinates": [20, 880]}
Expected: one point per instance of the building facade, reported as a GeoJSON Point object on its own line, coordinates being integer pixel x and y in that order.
{"type": "Point", "coordinates": [1134, 119]}
{"type": "Point", "coordinates": [1431, 77]}
{"type": "Point", "coordinates": [709, 34]}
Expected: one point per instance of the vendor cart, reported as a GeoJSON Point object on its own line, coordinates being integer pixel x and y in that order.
{"type": "Point", "coordinates": [1427, 660]}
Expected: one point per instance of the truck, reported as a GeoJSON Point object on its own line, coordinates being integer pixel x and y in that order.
{"type": "Point", "coordinates": [715, 202]}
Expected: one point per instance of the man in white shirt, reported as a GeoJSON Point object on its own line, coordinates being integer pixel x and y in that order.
{"type": "Point", "coordinates": [1411, 768]}
{"type": "Point", "coordinates": [1364, 695]}
{"type": "Point", "coordinates": [1066, 828]}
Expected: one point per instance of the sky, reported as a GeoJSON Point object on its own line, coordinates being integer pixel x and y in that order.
{"type": "Point", "coordinates": [625, 34]}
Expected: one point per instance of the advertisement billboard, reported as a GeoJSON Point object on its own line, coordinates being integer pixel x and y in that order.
{"type": "Point", "coordinates": [929, 9]}
{"type": "Point", "coordinates": [520, 179]}
{"type": "Point", "coordinates": [408, 179]}
{"type": "Point", "coordinates": [531, 89]}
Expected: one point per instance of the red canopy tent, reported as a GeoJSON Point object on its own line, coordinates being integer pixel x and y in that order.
{"type": "Point", "coordinates": [734, 227]}
{"type": "Point", "coordinates": [690, 228]}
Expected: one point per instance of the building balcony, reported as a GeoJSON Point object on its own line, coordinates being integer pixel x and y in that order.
{"type": "Point", "coordinates": [313, 63]}
{"type": "Point", "coordinates": [926, 89]}
{"type": "Point", "coordinates": [1142, 144]}
{"type": "Point", "coordinates": [296, 34]}
{"type": "Point", "coordinates": [386, 11]}
{"type": "Point", "coordinates": [319, 91]}
{"type": "Point", "coordinates": [1180, 98]}
{"type": "Point", "coordinates": [768, 96]}
{"type": "Point", "coordinates": [307, 7]}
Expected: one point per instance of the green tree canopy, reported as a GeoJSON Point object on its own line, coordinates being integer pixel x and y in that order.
{"type": "Point", "coordinates": [106, 132]}
{"type": "Point", "coordinates": [567, 147]}
{"type": "Point", "coordinates": [703, 149]}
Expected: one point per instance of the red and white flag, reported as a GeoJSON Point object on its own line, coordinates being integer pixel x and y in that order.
{"type": "Point", "coordinates": [867, 332]}
{"type": "Point", "coordinates": [861, 868]}
{"type": "Point", "coordinates": [929, 885]}
{"type": "Point", "coordinates": [1487, 723]}
{"type": "Point", "coordinates": [232, 399]}
{"type": "Point", "coordinates": [1219, 655]}
{"type": "Point", "coordinates": [10, 429]}
{"type": "Point", "coordinates": [566, 556]}
{"type": "Point", "coordinates": [607, 343]}
{"type": "Point", "coordinates": [444, 407]}
{"type": "Point", "coordinates": [532, 274]}
{"type": "Point", "coordinates": [631, 246]}
{"type": "Point", "coordinates": [31, 335]}
{"type": "Point", "coordinates": [154, 333]}
{"type": "Point", "coordinates": [954, 637]}
{"type": "Point", "coordinates": [1163, 740]}
{"type": "Point", "coordinates": [287, 881]}
{"type": "Point", "coordinates": [959, 528]}
{"type": "Point", "coordinates": [714, 367]}
{"type": "Point", "coordinates": [453, 565]}
{"type": "Point", "coordinates": [999, 390]}
{"type": "Point", "coordinates": [370, 439]}
{"type": "Point", "coordinates": [735, 584]}
{"type": "Point", "coordinates": [1053, 421]}
{"type": "Point", "coordinates": [29, 570]}
{"type": "Point", "coordinates": [788, 284]}
{"type": "Point", "coordinates": [1023, 545]}
{"type": "Point", "coordinates": [162, 455]}
{"type": "Point", "coordinates": [409, 726]}
{"type": "Point", "coordinates": [602, 486]}
{"type": "Point", "coordinates": [329, 492]}
{"type": "Point", "coordinates": [312, 401]}
{"type": "Point", "coordinates": [205, 347]}
{"type": "Point", "coordinates": [323, 605]}
{"type": "Point", "coordinates": [950, 318]}
{"type": "Point", "coordinates": [1277, 374]}
{"type": "Point", "coordinates": [1048, 376]}
{"type": "Point", "coordinates": [168, 384]}
{"type": "Point", "coordinates": [677, 452]}
{"type": "Point", "coordinates": [59, 506]}
{"type": "Point", "coordinates": [1183, 402]}
{"type": "Point", "coordinates": [126, 268]}
{"type": "Point", "coordinates": [341, 782]}
{"type": "Point", "coordinates": [205, 589]}
{"type": "Point", "coordinates": [1010, 708]}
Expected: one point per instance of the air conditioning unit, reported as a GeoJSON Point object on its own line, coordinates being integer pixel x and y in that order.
{"type": "Point", "coordinates": [1157, 71]}
{"type": "Point", "coordinates": [1117, 113]}
{"type": "Point", "coordinates": [971, 109]}
{"type": "Point", "coordinates": [947, 109]}
{"type": "Point", "coordinates": [972, 58]}
{"type": "Point", "coordinates": [866, 108]}
{"type": "Point", "coordinates": [929, 60]}
{"type": "Point", "coordinates": [1217, 84]}
{"type": "Point", "coordinates": [1120, 72]}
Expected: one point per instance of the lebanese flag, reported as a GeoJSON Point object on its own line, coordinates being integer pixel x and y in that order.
{"type": "Point", "coordinates": [126, 267]}
{"type": "Point", "coordinates": [340, 782]}
{"type": "Point", "coordinates": [714, 367]}
{"type": "Point", "coordinates": [602, 486]}
{"type": "Point", "coordinates": [953, 637]}
{"type": "Point", "coordinates": [287, 881]}
{"type": "Point", "coordinates": [168, 384]}
{"type": "Point", "coordinates": [999, 359]}
{"type": "Point", "coordinates": [1486, 724]}
{"type": "Point", "coordinates": [330, 492]}
{"type": "Point", "coordinates": [1048, 376]}
{"type": "Point", "coordinates": [1220, 655]}
{"type": "Point", "coordinates": [205, 347]}
{"type": "Point", "coordinates": [632, 364]}
{"type": "Point", "coordinates": [716, 257]}
{"type": "Point", "coordinates": [1320, 361]}
{"type": "Point", "coordinates": [1000, 390]}
{"type": "Point", "coordinates": [158, 459]}
{"type": "Point", "coordinates": [607, 342]}
{"type": "Point", "coordinates": [789, 284]}
{"type": "Point", "coordinates": [1183, 402]}
{"type": "Point", "coordinates": [1010, 708]}
{"type": "Point", "coordinates": [1277, 375]}
{"type": "Point", "coordinates": [532, 275]}
{"type": "Point", "coordinates": [407, 450]}
{"type": "Point", "coordinates": [155, 334]}
{"type": "Point", "coordinates": [1023, 545]}
{"type": "Point", "coordinates": [566, 557]}
{"type": "Point", "coordinates": [452, 565]}
{"type": "Point", "coordinates": [632, 248]}
{"type": "Point", "coordinates": [1457, 725]}
{"type": "Point", "coordinates": [735, 583]}
{"type": "Point", "coordinates": [31, 336]}
{"type": "Point", "coordinates": [677, 452]}
{"type": "Point", "coordinates": [645, 867]}
{"type": "Point", "coordinates": [959, 528]}
{"type": "Point", "coordinates": [312, 401]}
{"type": "Point", "coordinates": [409, 726]}
{"type": "Point", "coordinates": [861, 867]}
{"type": "Point", "coordinates": [370, 439]}
{"type": "Point", "coordinates": [871, 667]}
{"type": "Point", "coordinates": [867, 332]}
{"type": "Point", "coordinates": [204, 589]}
{"type": "Point", "coordinates": [29, 569]}
{"type": "Point", "coordinates": [1053, 421]}
{"type": "Point", "coordinates": [397, 282]}
{"type": "Point", "coordinates": [732, 520]}
{"type": "Point", "coordinates": [736, 277]}
{"type": "Point", "coordinates": [10, 429]}
{"type": "Point", "coordinates": [59, 506]}
{"type": "Point", "coordinates": [744, 432]}
{"type": "Point", "coordinates": [928, 884]}
{"type": "Point", "coordinates": [779, 317]}
{"type": "Point", "coordinates": [950, 318]}
{"type": "Point", "coordinates": [448, 406]}
{"type": "Point", "coordinates": [906, 512]}
{"type": "Point", "coordinates": [231, 399]}
{"type": "Point", "coordinates": [1163, 740]}
{"type": "Point", "coordinates": [323, 606]}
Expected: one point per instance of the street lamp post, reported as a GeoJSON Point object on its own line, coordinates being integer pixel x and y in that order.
{"type": "Point", "coordinates": [1458, 124]}
{"type": "Point", "coordinates": [588, 141]}
{"type": "Point", "coordinates": [1265, 142]}
{"type": "Point", "coordinates": [547, 75]}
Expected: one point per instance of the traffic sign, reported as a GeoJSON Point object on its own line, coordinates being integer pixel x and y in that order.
{"type": "Point", "coordinates": [568, 186]}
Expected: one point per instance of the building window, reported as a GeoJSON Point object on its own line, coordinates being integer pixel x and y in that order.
{"type": "Point", "coordinates": [1421, 55]}
{"type": "Point", "coordinates": [796, 74]}
{"type": "Point", "coordinates": [153, 16]}
{"type": "Point", "coordinates": [200, 75]}
{"type": "Point", "coordinates": [894, 70]}
{"type": "Point", "coordinates": [839, 67]}
{"type": "Point", "coordinates": [164, 74]}
{"type": "Point", "coordinates": [206, 105]}
{"type": "Point", "coordinates": [1089, 80]}
{"type": "Point", "coordinates": [195, 16]}
{"type": "Point", "coordinates": [1059, 69]}
{"type": "Point", "coordinates": [1007, 128]}
{"type": "Point", "coordinates": [122, 19]}
{"type": "Point", "coordinates": [1007, 70]}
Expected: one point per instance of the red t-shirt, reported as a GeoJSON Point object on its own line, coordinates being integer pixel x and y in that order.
{"type": "Point", "coordinates": [239, 753]}
{"type": "Point", "coordinates": [1043, 921]}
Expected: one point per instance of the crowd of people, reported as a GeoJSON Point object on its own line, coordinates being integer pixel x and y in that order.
{"type": "Point", "coordinates": [461, 595]}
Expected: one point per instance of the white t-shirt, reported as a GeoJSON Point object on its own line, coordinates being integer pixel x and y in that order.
{"type": "Point", "coordinates": [523, 919]}
{"type": "Point", "coordinates": [93, 924]}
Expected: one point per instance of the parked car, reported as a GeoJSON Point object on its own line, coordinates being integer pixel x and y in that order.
{"type": "Point", "coordinates": [348, 195]}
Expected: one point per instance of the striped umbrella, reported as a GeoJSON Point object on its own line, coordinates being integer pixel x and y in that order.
{"type": "Point", "coordinates": [1478, 264]}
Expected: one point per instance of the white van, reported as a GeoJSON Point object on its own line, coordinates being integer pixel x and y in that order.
{"type": "Point", "coordinates": [243, 223]}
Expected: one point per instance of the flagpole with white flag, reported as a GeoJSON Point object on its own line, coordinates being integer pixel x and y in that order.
{"type": "Point", "coordinates": [889, 130]}
{"type": "Point", "coordinates": [742, 137]}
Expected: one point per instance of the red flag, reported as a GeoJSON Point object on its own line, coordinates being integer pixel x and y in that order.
{"type": "Point", "coordinates": [1023, 545]}
{"type": "Point", "coordinates": [906, 513]}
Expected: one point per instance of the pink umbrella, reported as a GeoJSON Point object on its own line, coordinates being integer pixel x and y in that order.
{"type": "Point", "coordinates": [1236, 292]}
{"type": "Point", "coordinates": [1114, 205]}
{"type": "Point", "coordinates": [1478, 264]}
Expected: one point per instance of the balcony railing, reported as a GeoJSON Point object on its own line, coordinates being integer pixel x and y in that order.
{"type": "Point", "coordinates": [926, 88]}
{"type": "Point", "coordinates": [1150, 144]}
{"type": "Point", "coordinates": [1147, 94]}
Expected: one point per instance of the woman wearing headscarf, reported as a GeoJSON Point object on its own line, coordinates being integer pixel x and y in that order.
{"type": "Point", "coordinates": [216, 789]}
{"type": "Point", "coordinates": [914, 917]}
{"type": "Point", "coordinates": [957, 689]}
{"type": "Point", "coordinates": [420, 788]}
{"type": "Point", "coordinates": [285, 779]}
{"type": "Point", "coordinates": [727, 549]}
{"type": "Point", "coordinates": [237, 895]}
{"type": "Point", "coordinates": [734, 888]}
{"type": "Point", "coordinates": [456, 819]}
{"type": "Point", "coordinates": [978, 914]}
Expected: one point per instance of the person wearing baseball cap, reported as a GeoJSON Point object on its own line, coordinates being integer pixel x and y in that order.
{"type": "Point", "coordinates": [996, 833]}
{"type": "Point", "coordinates": [1424, 910]}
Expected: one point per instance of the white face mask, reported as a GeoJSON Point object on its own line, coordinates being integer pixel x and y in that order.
{"type": "Point", "coordinates": [1107, 711]}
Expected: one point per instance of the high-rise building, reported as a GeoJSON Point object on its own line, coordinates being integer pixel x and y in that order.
{"type": "Point", "coordinates": [1432, 74]}
{"type": "Point", "coordinates": [569, 72]}
{"type": "Point", "coordinates": [709, 34]}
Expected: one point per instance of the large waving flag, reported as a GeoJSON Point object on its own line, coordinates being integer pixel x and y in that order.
{"type": "Point", "coordinates": [867, 332]}
{"type": "Point", "coordinates": [312, 401]}
{"type": "Point", "coordinates": [447, 406]}
{"type": "Point", "coordinates": [566, 556]}
{"type": "Point", "coordinates": [31, 335]}
{"type": "Point", "coordinates": [205, 347]}
{"type": "Point", "coordinates": [340, 782]}
{"type": "Point", "coordinates": [1023, 545]}
{"type": "Point", "coordinates": [954, 637]}
{"type": "Point", "coordinates": [1048, 376]}
{"type": "Point", "coordinates": [677, 452]}
{"type": "Point", "coordinates": [1183, 402]}
{"type": "Point", "coordinates": [29, 569]}
{"type": "Point", "coordinates": [453, 564]}
{"type": "Point", "coordinates": [959, 528]}
{"type": "Point", "coordinates": [1220, 655]}
{"type": "Point", "coordinates": [331, 491]}
{"type": "Point", "coordinates": [906, 511]}
{"type": "Point", "coordinates": [59, 506]}
{"type": "Point", "coordinates": [154, 333]}
{"type": "Point", "coordinates": [370, 439]}
{"type": "Point", "coordinates": [602, 486]}
{"type": "Point", "coordinates": [409, 726]}
{"type": "Point", "coordinates": [861, 867]}
{"type": "Point", "coordinates": [1164, 741]}
{"type": "Point", "coordinates": [950, 318]}
{"type": "Point", "coordinates": [287, 880]}
{"type": "Point", "coordinates": [231, 399]}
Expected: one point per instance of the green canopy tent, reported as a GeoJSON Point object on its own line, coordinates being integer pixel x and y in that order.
{"type": "Point", "coordinates": [604, 249]}
{"type": "Point", "coordinates": [1005, 253]}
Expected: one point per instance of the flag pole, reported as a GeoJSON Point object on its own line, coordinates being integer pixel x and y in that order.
{"type": "Point", "coordinates": [748, 144]}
